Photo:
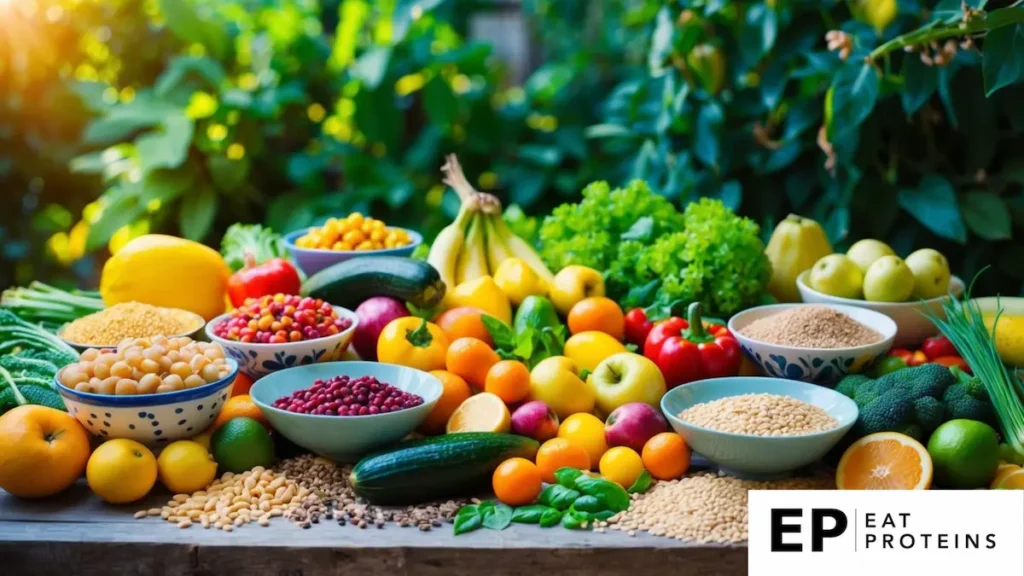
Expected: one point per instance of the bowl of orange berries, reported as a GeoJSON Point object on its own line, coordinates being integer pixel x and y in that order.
{"type": "Point", "coordinates": [341, 239]}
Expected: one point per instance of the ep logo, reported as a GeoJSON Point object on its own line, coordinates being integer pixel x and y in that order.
{"type": "Point", "coordinates": [824, 523]}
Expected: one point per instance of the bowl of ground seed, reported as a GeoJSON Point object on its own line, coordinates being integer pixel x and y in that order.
{"type": "Point", "coordinates": [107, 328]}
{"type": "Point", "coordinates": [815, 343]}
{"type": "Point", "coordinates": [755, 427]}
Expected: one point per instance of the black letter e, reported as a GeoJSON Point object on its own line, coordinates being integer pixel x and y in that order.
{"type": "Point", "coordinates": [779, 528]}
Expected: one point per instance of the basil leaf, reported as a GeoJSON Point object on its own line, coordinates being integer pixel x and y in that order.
{"type": "Point", "coordinates": [468, 510]}
{"type": "Point", "coordinates": [530, 514]}
{"type": "Point", "coordinates": [467, 522]}
{"type": "Point", "coordinates": [567, 476]}
{"type": "Point", "coordinates": [485, 507]}
{"type": "Point", "coordinates": [572, 520]}
{"type": "Point", "coordinates": [614, 496]}
{"type": "Point", "coordinates": [642, 484]}
{"type": "Point", "coordinates": [588, 503]}
{"type": "Point", "coordinates": [550, 517]}
{"type": "Point", "coordinates": [558, 496]}
{"type": "Point", "coordinates": [497, 517]}
{"type": "Point", "coordinates": [503, 336]}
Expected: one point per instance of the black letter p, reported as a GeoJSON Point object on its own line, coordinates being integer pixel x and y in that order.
{"type": "Point", "coordinates": [818, 532]}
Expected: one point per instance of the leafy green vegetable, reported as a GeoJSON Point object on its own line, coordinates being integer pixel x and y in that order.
{"type": "Point", "coordinates": [587, 503]}
{"type": "Point", "coordinates": [611, 494]}
{"type": "Point", "coordinates": [530, 514]}
{"type": "Point", "coordinates": [244, 241]}
{"type": "Point", "coordinates": [567, 476]}
{"type": "Point", "coordinates": [39, 303]}
{"type": "Point", "coordinates": [529, 346]}
{"type": "Point", "coordinates": [558, 496]}
{"type": "Point", "coordinates": [573, 520]}
{"type": "Point", "coordinates": [497, 517]}
{"type": "Point", "coordinates": [550, 517]}
{"type": "Point", "coordinates": [642, 483]}
{"type": "Point", "coordinates": [468, 519]}
{"type": "Point", "coordinates": [526, 227]}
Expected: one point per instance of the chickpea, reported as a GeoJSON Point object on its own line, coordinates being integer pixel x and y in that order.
{"type": "Point", "coordinates": [89, 355]}
{"type": "Point", "coordinates": [85, 387]}
{"type": "Point", "coordinates": [107, 358]}
{"type": "Point", "coordinates": [215, 352]}
{"type": "Point", "coordinates": [164, 389]}
{"type": "Point", "coordinates": [174, 381]}
{"type": "Point", "coordinates": [121, 369]}
{"type": "Point", "coordinates": [143, 342]}
{"type": "Point", "coordinates": [155, 352]}
{"type": "Point", "coordinates": [149, 366]}
{"type": "Point", "coordinates": [101, 370]}
{"type": "Point", "coordinates": [72, 376]}
{"type": "Point", "coordinates": [126, 387]}
{"type": "Point", "coordinates": [149, 383]}
{"type": "Point", "coordinates": [165, 364]}
{"type": "Point", "coordinates": [181, 370]}
{"type": "Point", "coordinates": [194, 381]}
{"type": "Point", "coordinates": [108, 385]}
{"type": "Point", "coordinates": [133, 356]}
{"type": "Point", "coordinates": [210, 373]}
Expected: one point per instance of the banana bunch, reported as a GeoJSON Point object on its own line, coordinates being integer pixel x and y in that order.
{"type": "Point", "coordinates": [478, 241]}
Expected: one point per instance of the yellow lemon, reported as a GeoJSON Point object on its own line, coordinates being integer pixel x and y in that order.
{"type": "Point", "coordinates": [587, 431]}
{"type": "Point", "coordinates": [518, 280]}
{"type": "Point", "coordinates": [621, 465]}
{"type": "Point", "coordinates": [185, 467]}
{"type": "Point", "coordinates": [121, 471]}
{"type": "Point", "coordinates": [590, 348]}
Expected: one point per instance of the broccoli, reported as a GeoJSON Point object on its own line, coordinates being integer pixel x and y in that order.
{"type": "Point", "coordinates": [908, 401]}
{"type": "Point", "coordinates": [967, 398]}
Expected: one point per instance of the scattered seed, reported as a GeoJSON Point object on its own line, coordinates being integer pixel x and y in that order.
{"type": "Point", "coordinates": [141, 514]}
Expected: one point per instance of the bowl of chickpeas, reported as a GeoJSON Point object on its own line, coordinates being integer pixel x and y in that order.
{"type": "Point", "coordinates": [340, 239]}
{"type": "Point", "coordinates": [151, 390]}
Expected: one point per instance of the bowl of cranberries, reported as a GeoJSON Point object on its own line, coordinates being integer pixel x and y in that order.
{"type": "Point", "coordinates": [276, 332]}
{"type": "Point", "coordinates": [345, 410]}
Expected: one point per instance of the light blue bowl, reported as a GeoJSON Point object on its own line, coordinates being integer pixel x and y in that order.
{"type": "Point", "coordinates": [758, 457]}
{"type": "Point", "coordinates": [152, 419]}
{"type": "Point", "coordinates": [312, 260]}
{"type": "Point", "coordinates": [345, 438]}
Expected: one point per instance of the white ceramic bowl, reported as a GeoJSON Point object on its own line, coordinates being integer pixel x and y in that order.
{"type": "Point", "coordinates": [153, 419]}
{"type": "Point", "coordinates": [912, 327]}
{"type": "Point", "coordinates": [258, 360]}
{"type": "Point", "coordinates": [824, 366]}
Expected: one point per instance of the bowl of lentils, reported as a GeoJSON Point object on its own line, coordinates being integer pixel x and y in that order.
{"type": "Point", "coordinates": [276, 332]}
{"type": "Point", "coordinates": [345, 410]}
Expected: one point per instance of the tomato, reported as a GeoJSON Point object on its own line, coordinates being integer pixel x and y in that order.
{"type": "Point", "coordinates": [637, 326]}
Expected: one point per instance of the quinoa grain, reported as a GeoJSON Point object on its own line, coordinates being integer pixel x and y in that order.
{"type": "Point", "coordinates": [811, 327]}
{"type": "Point", "coordinates": [759, 415]}
{"type": "Point", "coordinates": [130, 320]}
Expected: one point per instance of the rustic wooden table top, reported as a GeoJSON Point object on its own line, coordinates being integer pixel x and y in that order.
{"type": "Point", "coordinates": [77, 534]}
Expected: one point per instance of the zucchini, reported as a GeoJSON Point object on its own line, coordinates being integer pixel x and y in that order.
{"type": "Point", "coordinates": [440, 467]}
{"type": "Point", "coordinates": [349, 283]}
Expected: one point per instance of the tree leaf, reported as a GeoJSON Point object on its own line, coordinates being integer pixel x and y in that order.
{"type": "Point", "coordinates": [122, 209]}
{"type": "Point", "coordinates": [440, 103]}
{"type": "Point", "coordinates": [165, 185]}
{"type": "Point", "coordinates": [919, 84]}
{"type": "Point", "coordinates": [709, 124]}
{"type": "Point", "coordinates": [1003, 57]}
{"type": "Point", "coordinates": [987, 215]}
{"type": "Point", "coordinates": [372, 65]}
{"type": "Point", "coordinates": [181, 66]}
{"type": "Point", "coordinates": [167, 148]}
{"type": "Point", "coordinates": [197, 213]}
{"type": "Point", "coordinates": [761, 27]}
{"type": "Point", "coordinates": [661, 41]}
{"type": "Point", "coordinates": [196, 25]}
{"type": "Point", "coordinates": [933, 204]}
{"type": "Point", "coordinates": [607, 131]}
{"type": "Point", "coordinates": [854, 93]}
{"type": "Point", "coordinates": [227, 174]}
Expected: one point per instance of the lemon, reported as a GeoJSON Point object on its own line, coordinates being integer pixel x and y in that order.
{"type": "Point", "coordinates": [484, 412]}
{"type": "Point", "coordinates": [203, 439]}
{"type": "Point", "coordinates": [121, 471]}
{"type": "Point", "coordinates": [518, 280]}
{"type": "Point", "coordinates": [186, 467]}
{"type": "Point", "coordinates": [621, 465]}
{"type": "Point", "coordinates": [590, 348]}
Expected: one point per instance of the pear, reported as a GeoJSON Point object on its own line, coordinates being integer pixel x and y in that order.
{"type": "Point", "coordinates": [931, 273]}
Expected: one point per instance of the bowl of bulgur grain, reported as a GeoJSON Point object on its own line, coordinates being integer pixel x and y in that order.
{"type": "Point", "coordinates": [815, 343]}
{"type": "Point", "coordinates": [108, 327]}
{"type": "Point", "coordinates": [754, 427]}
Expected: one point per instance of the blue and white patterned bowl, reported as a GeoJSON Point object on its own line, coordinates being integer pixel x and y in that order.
{"type": "Point", "coordinates": [258, 360]}
{"type": "Point", "coordinates": [313, 260]}
{"type": "Point", "coordinates": [824, 366]}
{"type": "Point", "coordinates": [153, 419]}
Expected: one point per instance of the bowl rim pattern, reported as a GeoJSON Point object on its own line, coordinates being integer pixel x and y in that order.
{"type": "Point", "coordinates": [208, 330]}
{"type": "Point", "coordinates": [291, 237]}
{"type": "Point", "coordinates": [353, 363]}
{"type": "Point", "coordinates": [956, 287]}
{"type": "Point", "coordinates": [141, 400]}
{"type": "Point", "coordinates": [880, 317]}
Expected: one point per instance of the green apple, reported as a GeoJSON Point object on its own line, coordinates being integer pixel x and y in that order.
{"type": "Point", "coordinates": [889, 279]}
{"type": "Point", "coordinates": [836, 275]}
{"type": "Point", "coordinates": [865, 252]}
{"type": "Point", "coordinates": [931, 273]}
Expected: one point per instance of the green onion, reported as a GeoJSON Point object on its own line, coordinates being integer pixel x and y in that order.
{"type": "Point", "coordinates": [965, 328]}
{"type": "Point", "coordinates": [41, 303]}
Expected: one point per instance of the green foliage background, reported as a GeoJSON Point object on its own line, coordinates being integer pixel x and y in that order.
{"type": "Point", "coordinates": [184, 116]}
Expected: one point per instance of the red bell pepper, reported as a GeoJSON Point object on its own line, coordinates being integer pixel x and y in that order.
{"type": "Point", "coordinates": [637, 326]}
{"type": "Point", "coordinates": [949, 361]}
{"type": "Point", "coordinates": [689, 350]}
{"type": "Point", "coordinates": [915, 358]}
{"type": "Point", "coordinates": [275, 276]}
{"type": "Point", "coordinates": [938, 347]}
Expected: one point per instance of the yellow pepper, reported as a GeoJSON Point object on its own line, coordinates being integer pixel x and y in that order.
{"type": "Point", "coordinates": [413, 342]}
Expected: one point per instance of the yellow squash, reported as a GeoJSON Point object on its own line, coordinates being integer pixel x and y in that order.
{"type": "Point", "coordinates": [167, 271]}
{"type": "Point", "coordinates": [796, 244]}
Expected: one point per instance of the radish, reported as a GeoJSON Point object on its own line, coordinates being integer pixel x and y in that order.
{"type": "Point", "coordinates": [374, 314]}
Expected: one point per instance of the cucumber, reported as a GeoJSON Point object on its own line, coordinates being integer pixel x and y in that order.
{"type": "Point", "coordinates": [349, 283]}
{"type": "Point", "coordinates": [428, 469]}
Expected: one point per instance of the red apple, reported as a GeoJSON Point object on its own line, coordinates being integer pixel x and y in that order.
{"type": "Point", "coordinates": [633, 425]}
{"type": "Point", "coordinates": [535, 420]}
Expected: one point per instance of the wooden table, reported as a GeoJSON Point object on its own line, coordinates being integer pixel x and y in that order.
{"type": "Point", "coordinates": [77, 534]}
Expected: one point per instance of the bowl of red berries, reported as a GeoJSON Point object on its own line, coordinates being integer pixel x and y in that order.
{"type": "Point", "coordinates": [345, 410]}
{"type": "Point", "coordinates": [276, 332]}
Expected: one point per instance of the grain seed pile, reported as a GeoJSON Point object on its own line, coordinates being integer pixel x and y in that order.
{"type": "Point", "coordinates": [759, 415]}
{"type": "Point", "coordinates": [811, 327]}
{"type": "Point", "coordinates": [703, 508]}
{"type": "Point", "coordinates": [130, 320]}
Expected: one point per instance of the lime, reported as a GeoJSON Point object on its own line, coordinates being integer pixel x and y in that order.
{"type": "Point", "coordinates": [242, 444]}
{"type": "Point", "coordinates": [965, 454]}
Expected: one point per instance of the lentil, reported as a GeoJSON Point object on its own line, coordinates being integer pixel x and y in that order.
{"type": "Point", "coordinates": [130, 320]}
{"type": "Point", "coordinates": [703, 508]}
{"type": "Point", "coordinates": [811, 327]}
{"type": "Point", "coordinates": [759, 415]}
{"type": "Point", "coordinates": [341, 396]}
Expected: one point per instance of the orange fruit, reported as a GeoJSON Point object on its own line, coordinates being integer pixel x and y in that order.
{"type": "Point", "coordinates": [454, 392]}
{"type": "Point", "coordinates": [885, 461]}
{"type": "Point", "coordinates": [243, 382]}
{"type": "Point", "coordinates": [238, 407]}
{"type": "Point", "coordinates": [508, 380]}
{"type": "Point", "coordinates": [44, 451]}
{"type": "Point", "coordinates": [1002, 472]}
{"type": "Point", "coordinates": [621, 465]}
{"type": "Point", "coordinates": [481, 413]}
{"type": "Point", "coordinates": [121, 471]}
{"type": "Point", "coordinates": [516, 482]}
{"type": "Point", "coordinates": [462, 322]}
{"type": "Point", "coordinates": [666, 456]}
{"type": "Point", "coordinates": [1012, 481]}
{"type": "Point", "coordinates": [560, 453]}
{"type": "Point", "coordinates": [471, 358]}
{"type": "Point", "coordinates": [597, 313]}
{"type": "Point", "coordinates": [587, 431]}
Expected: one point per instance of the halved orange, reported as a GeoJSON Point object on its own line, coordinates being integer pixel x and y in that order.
{"type": "Point", "coordinates": [484, 412]}
{"type": "Point", "coordinates": [1003, 471]}
{"type": "Point", "coordinates": [885, 461]}
{"type": "Point", "coordinates": [1012, 481]}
